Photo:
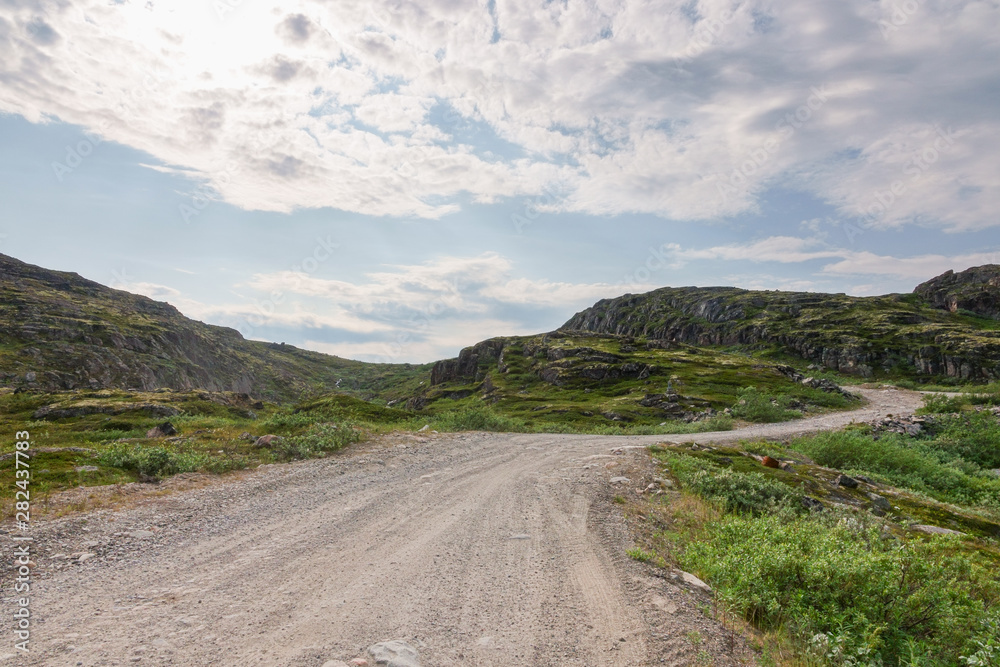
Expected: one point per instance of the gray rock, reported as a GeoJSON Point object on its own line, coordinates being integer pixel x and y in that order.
{"type": "Point", "coordinates": [142, 534]}
{"type": "Point", "coordinates": [395, 653]}
{"type": "Point", "coordinates": [161, 430]}
{"type": "Point", "coordinates": [695, 582]}
{"type": "Point", "coordinates": [879, 501]}
{"type": "Point", "coordinates": [936, 530]}
{"type": "Point", "coordinates": [812, 504]}
{"type": "Point", "coordinates": [86, 468]}
{"type": "Point", "coordinates": [846, 482]}
{"type": "Point", "coordinates": [620, 480]}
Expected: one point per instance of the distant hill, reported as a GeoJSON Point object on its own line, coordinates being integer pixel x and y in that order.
{"type": "Point", "coordinates": [947, 327]}
{"type": "Point", "coordinates": [60, 331]}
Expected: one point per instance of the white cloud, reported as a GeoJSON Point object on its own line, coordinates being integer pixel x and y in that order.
{"type": "Point", "coordinates": [685, 110]}
{"type": "Point", "coordinates": [918, 268]}
{"type": "Point", "coordinates": [783, 249]}
{"type": "Point", "coordinates": [792, 250]}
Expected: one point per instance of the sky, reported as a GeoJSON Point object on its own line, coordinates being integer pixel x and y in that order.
{"type": "Point", "coordinates": [393, 181]}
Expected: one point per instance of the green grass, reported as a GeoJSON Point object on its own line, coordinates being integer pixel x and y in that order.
{"type": "Point", "coordinates": [839, 586]}
{"type": "Point", "coordinates": [836, 583]}
{"type": "Point", "coordinates": [933, 465]}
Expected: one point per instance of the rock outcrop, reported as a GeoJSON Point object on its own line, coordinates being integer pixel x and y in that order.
{"type": "Point", "coordinates": [975, 290]}
{"type": "Point", "coordinates": [865, 336]}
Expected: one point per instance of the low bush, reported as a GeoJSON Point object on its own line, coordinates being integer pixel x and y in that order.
{"type": "Point", "coordinates": [845, 592]}
{"type": "Point", "coordinates": [319, 439]}
{"type": "Point", "coordinates": [156, 461]}
{"type": "Point", "coordinates": [754, 406]}
{"type": "Point", "coordinates": [973, 436]}
{"type": "Point", "coordinates": [942, 404]}
{"type": "Point", "coordinates": [478, 418]}
{"type": "Point", "coordinates": [730, 490]}
{"type": "Point", "coordinates": [914, 464]}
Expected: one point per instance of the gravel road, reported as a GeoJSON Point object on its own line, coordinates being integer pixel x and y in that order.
{"type": "Point", "coordinates": [476, 548]}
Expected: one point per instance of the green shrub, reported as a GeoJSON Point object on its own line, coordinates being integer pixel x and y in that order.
{"type": "Point", "coordinates": [729, 489]}
{"type": "Point", "coordinates": [320, 438]}
{"type": "Point", "coordinates": [478, 418]}
{"type": "Point", "coordinates": [941, 404]}
{"type": "Point", "coordinates": [754, 406]}
{"type": "Point", "coordinates": [741, 491]}
{"type": "Point", "coordinates": [871, 598]}
{"type": "Point", "coordinates": [973, 436]}
{"type": "Point", "coordinates": [156, 461]}
{"type": "Point", "coordinates": [913, 464]}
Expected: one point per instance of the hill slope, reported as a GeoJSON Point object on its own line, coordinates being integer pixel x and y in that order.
{"type": "Point", "coordinates": [947, 328]}
{"type": "Point", "coordinates": [61, 331]}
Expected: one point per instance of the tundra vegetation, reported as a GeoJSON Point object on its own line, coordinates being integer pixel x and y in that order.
{"type": "Point", "coordinates": [897, 567]}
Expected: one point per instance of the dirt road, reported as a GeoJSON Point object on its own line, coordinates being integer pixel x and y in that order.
{"type": "Point", "coordinates": [477, 549]}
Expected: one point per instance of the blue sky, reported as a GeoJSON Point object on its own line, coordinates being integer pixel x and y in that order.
{"type": "Point", "coordinates": [392, 182]}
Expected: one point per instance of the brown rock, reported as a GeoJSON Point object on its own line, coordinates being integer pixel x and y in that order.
{"type": "Point", "coordinates": [267, 441]}
{"type": "Point", "coordinates": [768, 462]}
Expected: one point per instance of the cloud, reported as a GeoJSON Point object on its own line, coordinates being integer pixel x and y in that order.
{"type": "Point", "coordinates": [919, 268]}
{"type": "Point", "coordinates": [793, 250]}
{"type": "Point", "coordinates": [783, 249]}
{"type": "Point", "coordinates": [683, 110]}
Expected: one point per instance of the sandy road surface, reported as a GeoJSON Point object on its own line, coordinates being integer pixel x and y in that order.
{"type": "Point", "coordinates": [479, 549]}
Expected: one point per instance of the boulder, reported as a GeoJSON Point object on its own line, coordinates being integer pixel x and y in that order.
{"type": "Point", "coordinates": [267, 441]}
{"type": "Point", "coordinates": [161, 430]}
{"type": "Point", "coordinates": [879, 501]}
{"type": "Point", "coordinates": [935, 530]}
{"type": "Point", "coordinates": [768, 462]}
{"type": "Point", "coordinates": [695, 582]}
{"type": "Point", "coordinates": [846, 482]}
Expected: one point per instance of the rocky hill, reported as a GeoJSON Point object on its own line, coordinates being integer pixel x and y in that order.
{"type": "Point", "coordinates": [60, 331]}
{"type": "Point", "coordinates": [975, 290]}
{"type": "Point", "coordinates": [947, 327]}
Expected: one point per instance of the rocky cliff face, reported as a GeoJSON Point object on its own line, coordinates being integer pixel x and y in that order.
{"type": "Point", "coordinates": [61, 331]}
{"type": "Point", "coordinates": [975, 290]}
{"type": "Point", "coordinates": [868, 336]}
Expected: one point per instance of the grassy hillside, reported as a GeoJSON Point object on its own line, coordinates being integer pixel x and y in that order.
{"type": "Point", "coordinates": [572, 381]}
{"type": "Point", "coordinates": [895, 565]}
{"type": "Point", "coordinates": [59, 331]}
{"type": "Point", "coordinates": [898, 335]}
